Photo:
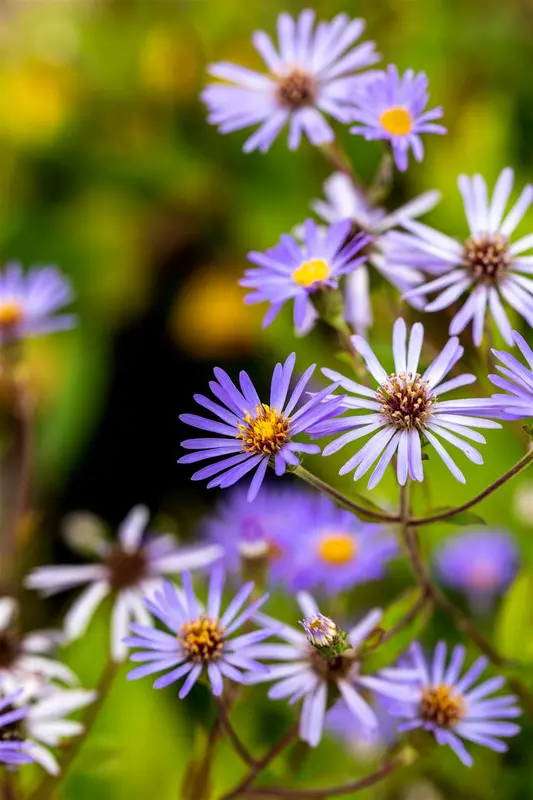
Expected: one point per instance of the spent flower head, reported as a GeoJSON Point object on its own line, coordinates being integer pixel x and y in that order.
{"type": "Point", "coordinates": [310, 74]}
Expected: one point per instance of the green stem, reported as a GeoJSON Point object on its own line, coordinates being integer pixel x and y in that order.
{"type": "Point", "coordinates": [443, 515]}
{"type": "Point", "coordinates": [232, 735]}
{"type": "Point", "coordinates": [338, 159]}
{"type": "Point", "coordinates": [325, 488]}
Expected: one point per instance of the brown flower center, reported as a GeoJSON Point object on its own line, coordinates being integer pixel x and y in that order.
{"type": "Point", "coordinates": [126, 569]}
{"type": "Point", "coordinates": [331, 669]}
{"type": "Point", "coordinates": [487, 257]}
{"type": "Point", "coordinates": [202, 639]}
{"type": "Point", "coordinates": [441, 705]}
{"type": "Point", "coordinates": [266, 432]}
{"type": "Point", "coordinates": [296, 90]}
{"type": "Point", "coordinates": [9, 648]}
{"type": "Point", "coordinates": [405, 400]}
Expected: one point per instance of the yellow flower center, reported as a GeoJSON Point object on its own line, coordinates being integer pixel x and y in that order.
{"type": "Point", "coordinates": [11, 314]}
{"type": "Point", "coordinates": [264, 433]}
{"type": "Point", "coordinates": [397, 121]}
{"type": "Point", "coordinates": [313, 271]}
{"type": "Point", "coordinates": [337, 548]}
{"type": "Point", "coordinates": [441, 705]}
{"type": "Point", "coordinates": [202, 639]}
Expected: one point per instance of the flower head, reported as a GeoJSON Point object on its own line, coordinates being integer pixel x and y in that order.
{"type": "Point", "coordinates": [480, 563]}
{"type": "Point", "coordinates": [392, 107]}
{"type": "Point", "coordinates": [311, 74]}
{"type": "Point", "coordinates": [28, 302]}
{"type": "Point", "coordinates": [304, 672]}
{"type": "Point", "coordinates": [127, 570]}
{"type": "Point", "coordinates": [253, 432]}
{"type": "Point", "coordinates": [344, 201]}
{"type": "Point", "coordinates": [321, 631]}
{"type": "Point", "coordinates": [14, 749]}
{"type": "Point", "coordinates": [294, 271]}
{"type": "Point", "coordinates": [406, 410]}
{"type": "Point", "coordinates": [516, 401]}
{"type": "Point", "coordinates": [25, 665]}
{"type": "Point", "coordinates": [485, 264]}
{"type": "Point", "coordinates": [448, 705]}
{"type": "Point", "coordinates": [199, 639]}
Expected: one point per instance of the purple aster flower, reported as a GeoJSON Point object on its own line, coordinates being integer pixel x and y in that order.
{"type": "Point", "coordinates": [261, 531]}
{"type": "Point", "coordinates": [345, 201]}
{"type": "Point", "coordinates": [198, 639]}
{"type": "Point", "coordinates": [311, 74]}
{"type": "Point", "coordinates": [486, 264]}
{"type": "Point", "coordinates": [28, 302]}
{"type": "Point", "coordinates": [251, 432]}
{"type": "Point", "coordinates": [481, 564]}
{"type": "Point", "coordinates": [447, 704]}
{"type": "Point", "coordinates": [336, 551]}
{"type": "Point", "coordinates": [517, 383]}
{"type": "Point", "coordinates": [303, 672]}
{"type": "Point", "coordinates": [392, 107]}
{"type": "Point", "coordinates": [127, 570]}
{"type": "Point", "coordinates": [405, 410]}
{"type": "Point", "coordinates": [293, 271]}
{"type": "Point", "coordinates": [14, 749]}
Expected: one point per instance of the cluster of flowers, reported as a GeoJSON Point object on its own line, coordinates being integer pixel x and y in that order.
{"type": "Point", "coordinates": [311, 74]}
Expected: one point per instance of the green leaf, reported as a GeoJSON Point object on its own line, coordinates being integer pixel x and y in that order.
{"type": "Point", "coordinates": [461, 518]}
{"type": "Point", "coordinates": [386, 653]}
{"type": "Point", "coordinates": [514, 624]}
{"type": "Point", "coordinates": [528, 429]}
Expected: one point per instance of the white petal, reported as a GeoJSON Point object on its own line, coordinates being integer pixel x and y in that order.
{"type": "Point", "coordinates": [131, 531]}
{"type": "Point", "coordinates": [79, 615]}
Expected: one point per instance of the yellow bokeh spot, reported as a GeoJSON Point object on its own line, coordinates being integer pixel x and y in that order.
{"type": "Point", "coordinates": [337, 548]}
{"type": "Point", "coordinates": [397, 121]}
{"type": "Point", "coordinates": [11, 314]}
{"type": "Point", "coordinates": [313, 271]}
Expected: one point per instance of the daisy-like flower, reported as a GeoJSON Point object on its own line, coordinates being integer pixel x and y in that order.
{"type": "Point", "coordinates": [128, 570]}
{"type": "Point", "coordinates": [480, 563]}
{"type": "Point", "coordinates": [486, 264]}
{"type": "Point", "coordinates": [406, 409]}
{"type": "Point", "coordinates": [311, 74]}
{"type": "Point", "coordinates": [294, 271]}
{"type": "Point", "coordinates": [392, 107]}
{"type": "Point", "coordinates": [14, 749]}
{"type": "Point", "coordinates": [199, 639]}
{"type": "Point", "coordinates": [25, 664]}
{"type": "Point", "coordinates": [450, 706]}
{"type": "Point", "coordinates": [46, 726]}
{"type": "Point", "coordinates": [28, 302]}
{"type": "Point", "coordinates": [517, 398]}
{"type": "Point", "coordinates": [252, 432]}
{"type": "Point", "coordinates": [334, 550]}
{"type": "Point", "coordinates": [344, 201]}
{"type": "Point", "coordinates": [303, 672]}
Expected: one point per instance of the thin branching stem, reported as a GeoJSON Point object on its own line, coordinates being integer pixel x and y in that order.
{"type": "Point", "coordinates": [232, 735]}
{"type": "Point", "coordinates": [344, 501]}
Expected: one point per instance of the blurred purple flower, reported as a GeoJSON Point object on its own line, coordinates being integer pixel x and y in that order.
{"type": "Point", "coordinates": [251, 432]}
{"type": "Point", "coordinates": [28, 302]}
{"type": "Point", "coordinates": [127, 570]}
{"type": "Point", "coordinates": [197, 639]}
{"type": "Point", "coordinates": [392, 107]}
{"type": "Point", "coordinates": [405, 409]}
{"type": "Point", "coordinates": [486, 264]}
{"type": "Point", "coordinates": [344, 201]}
{"type": "Point", "coordinates": [517, 400]}
{"type": "Point", "coordinates": [294, 271]}
{"type": "Point", "coordinates": [14, 749]}
{"type": "Point", "coordinates": [481, 564]}
{"type": "Point", "coordinates": [361, 740]}
{"type": "Point", "coordinates": [446, 704]}
{"type": "Point", "coordinates": [311, 74]}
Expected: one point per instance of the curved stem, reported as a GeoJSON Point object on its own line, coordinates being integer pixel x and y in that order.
{"type": "Point", "coordinates": [260, 764]}
{"type": "Point", "coordinates": [49, 784]}
{"type": "Point", "coordinates": [406, 620]}
{"type": "Point", "coordinates": [338, 159]}
{"type": "Point", "coordinates": [443, 515]}
{"type": "Point", "coordinates": [325, 488]}
{"type": "Point", "coordinates": [232, 735]}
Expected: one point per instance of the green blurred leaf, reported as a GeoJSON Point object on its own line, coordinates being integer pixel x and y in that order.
{"type": "Point", "coordinates": [514, 624]}
{"type": "Point", "coordinates": [461, 518]}
{"type": "Point", "coordinates": [390, 650]}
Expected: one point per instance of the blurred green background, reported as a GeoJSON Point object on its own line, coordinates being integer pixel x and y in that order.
{"type": "Point", "coordinates": [109, 170]}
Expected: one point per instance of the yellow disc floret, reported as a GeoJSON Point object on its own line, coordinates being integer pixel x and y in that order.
{"type": "Point", "coordinates": [397, 121]}
{"type": "Point", "coordinates": [441, 705]}
{"type": "Point", "coordinates": [337, 548]}
{"type": "Point", "coordinates": [11, 314]}
{"type": "Point", "coordinates": [316, 270]}
{"type": "Point", "coordinates": [202, 639]}
{"type": "Point", "coordinates": [265, 432]}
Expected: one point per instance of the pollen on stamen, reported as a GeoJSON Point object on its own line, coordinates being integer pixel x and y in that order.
{"type": "Point", "coordinates": [202, 639]}
{"type": "Point", "coordinates": [316, 270]}
{"type": "Point", "coordinates": [397, 121]}
{"type": "Point", "coordinates": [487, 257]}
{"type": "Point", "coordinates": [405, 400]}
{"type": "Point", "coordinates": [11, 315]}
{"type": "Point", "coordinates": [441, 705]}
{"type": "Point", "coordinates": [266, 432]}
